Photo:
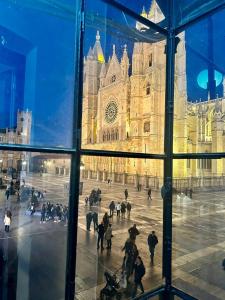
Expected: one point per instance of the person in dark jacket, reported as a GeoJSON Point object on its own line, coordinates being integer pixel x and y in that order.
{"type": "Point", "coordinates": [105, 221]}
{"type": "Point", "coordinates": [95, 219]}
{"type": "Point", "coordinates": [43, 214]}
{"type": "Point", "coordinates": [123, 209]}
{"type": "Point", "coordinates": [133, 232]}
{"type": "Point", "coordinates": [101, 232]}
{"type": "Point", "coordinates": [126, 194]}
{"type": "Point", "coordinates": [128, 209]}
{"type": "Point", "coordinates": [152, 242]}
{"type": "Point", "coordinates": [88, 220]}
{"type": "Point", "coordinates": [139, 272]}
{"type": "Point", "coordinates": [111, 208]}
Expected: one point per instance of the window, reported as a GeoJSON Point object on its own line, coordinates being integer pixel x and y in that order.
{"type": "Point", "coordinates": [148, 89]}
{"type": "Point", "coordinates": [113, 79]}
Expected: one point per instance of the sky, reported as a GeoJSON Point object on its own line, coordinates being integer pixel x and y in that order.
{"type": "Point", "coordinates": [37, 43]}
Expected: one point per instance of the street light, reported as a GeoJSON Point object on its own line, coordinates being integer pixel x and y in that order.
{"type": "Point", "coordinates": [24, 163]}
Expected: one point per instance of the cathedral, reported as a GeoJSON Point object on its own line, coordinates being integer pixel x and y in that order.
{"type": "Point", "coordinates": [124, 110]}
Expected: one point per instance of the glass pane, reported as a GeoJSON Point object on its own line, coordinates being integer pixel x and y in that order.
{"type": "Point", "coordinates": [187, 10]}
{"type": "Point", "coordinates": [198, 227]}
{"type": "Point", "coordinates": [34, 208]}
{"type": "Point", "coordinates": [155, 10]}
{"type": "Point", "coordinates": [199, 88]}
{"type": "Point", "coordinates": [37, 72]}
{"type": "Point", "coordinates": [124, 83]}
{"type": "Point", "coordinates": [107, 179]}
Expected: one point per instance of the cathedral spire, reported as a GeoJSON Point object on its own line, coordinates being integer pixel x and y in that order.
{"type": "Point", "coordinates": [97, 49]}
{"type": "Point", "coordinates": [144, 13]}
{"type": "Point", "coordinates": [155, 14]}
{"type": "Point", "coordinates": [125, 62]}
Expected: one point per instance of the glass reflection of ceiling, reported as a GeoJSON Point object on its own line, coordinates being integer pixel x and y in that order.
{"type": "Point", "coordinates": [185, 10]}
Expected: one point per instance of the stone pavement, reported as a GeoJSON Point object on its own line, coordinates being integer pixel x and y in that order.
{"type": "Point", "coordinates": [198, 247]}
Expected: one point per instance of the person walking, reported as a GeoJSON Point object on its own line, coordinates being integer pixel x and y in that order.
{"type": "Point", "coordinates": [108, 236]}
{"type": "Point", "coordinates": [111, 208]}
{"type": "Point", "coordinates": [149, 194]}
{"type": "Point", "coordinates": [139, 272]}
{"type": "Point", "coordinates": [7, 220]}
{"type": "Point", "coordinates": [128, 209]}
{"type": "Point", "coordinates": [105, 221]}
{"type": "Point", "coordinates": [190, 193]}
{"type": "Point", "coordinates": [88, 220]}
{"type": "Point", "coordinates": [43, 214]}
{"type": "Point", "coordinates": [118, 209]}
{"type": "Point", "coordinates": [101, 233]}
{"type": "Point", "coordinates": [152, 242]}
{"type": "Point", "coordinates": [95, 219]}
{"type": "Point", "coordinates": [133, 232]}
{"type": "Point", "coordinates": [126, 194]}
{"type": "Point", "coordinates": [123, 209]}
{"type": "Point", "coordinates": [7, 194]}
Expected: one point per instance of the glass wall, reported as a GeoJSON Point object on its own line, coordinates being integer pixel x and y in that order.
{"type": "Point", "coordinates": [124, 82]}
{"type": "Point", "coordinates": [120, 199]}
{"type": "Point", "coordinates": [199, 88]}
{"type": "Point", "coordinates": [37, 73]}
{"type": "Point", "coordinates": [34, 213]}
{"type": "Point", "coordinates": [198, 230]}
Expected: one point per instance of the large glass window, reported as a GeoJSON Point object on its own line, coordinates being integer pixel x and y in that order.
{"type": "Point", "coordinates": [199, 88]}
{"type": "Point", "coordinates": [36, 73]}
{"type": "Point", "coordinates": [114, 194]}
{"type": "Point", "coordinates": [198, 235]}
{"type": "Point", "coordinates": [124, 82]}
{"type": "Point", "coordinates": [34, 190]}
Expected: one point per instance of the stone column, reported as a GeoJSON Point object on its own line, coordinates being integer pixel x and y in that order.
{"type": "Point", "coordinates": [136, 180]}
{"type": "Point", "coordinates": [89, 174]}
{"type": "Point", "coordinates": [98, 175]}
{"type": "Point", "coordinates": [146, 181]}
{"type": "Point", "coordinates": [113, 177]}
{"type": "Point", "coordinates": [124, 178]}
{"type": "Point", "coordinates": [104, 176]}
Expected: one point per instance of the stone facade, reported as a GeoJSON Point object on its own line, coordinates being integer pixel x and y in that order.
{"type": "Point", "coordinates": [124, 107]}
{"type": "Point", "coordinates": [20, 134]}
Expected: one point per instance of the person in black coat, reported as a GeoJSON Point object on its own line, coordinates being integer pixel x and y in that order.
{"type": "Point", "coordinates": [101, 232]}
{"type": "Point", "coordinates": [133, 232]}
{"type": "Point", "coordinates": [139, 272]}
{"type": "Point", "coordinates": [152, 242]}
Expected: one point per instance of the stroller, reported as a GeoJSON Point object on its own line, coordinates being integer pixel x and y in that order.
{"type": "Point", "coordinates": [110, 291]}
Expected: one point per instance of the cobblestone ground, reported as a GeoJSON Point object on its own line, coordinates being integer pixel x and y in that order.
{"type": "Point", "coordinates": [198, 246]}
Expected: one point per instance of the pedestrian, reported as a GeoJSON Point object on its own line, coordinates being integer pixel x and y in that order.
{"type": "Point", "coordinates": [152, 242]}
{"type": "Point", "coordinates": [191, 192]}
{"type": "Point", "coordinates": [105, 221]}
{"type": "Point", "coordinates": [133, 232]}
{"type": "Point", "coordinates": [108, 236]}
{"type": "Point", "coordinates": [43, 214]}
{"type": "Point", "coordinates": [127, 265]}
{"type": "Point", "coordinates": [95, 219]}
{"type": "Point", "coordinates": [7, 220]}
{"type": "Point", "coordinates": [86, 201]}
{"type": "Point", "coordinates": [32, 208]}
{"type": "Point", "coordinates": [123, 209]}
{"type": "Point", "coordinates": [128, 209]}
{"type": "Point", "coordinates": [101, 233]}
{"type": "Point", "coordinates": [118, 209]}
{"type": "Point", "coordinates": [126, 194]}
{"type": "Point", "coordinates": [111, 208]}
{"type": "Point", "coordinates": [88, 220]}
{"type": "Point", "coordinates": [149, 194]}
{"type": "Point", "coordinates": [139, 272]}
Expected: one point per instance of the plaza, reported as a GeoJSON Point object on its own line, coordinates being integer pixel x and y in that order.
{"type": "Point", "coordinates": [39, 250]}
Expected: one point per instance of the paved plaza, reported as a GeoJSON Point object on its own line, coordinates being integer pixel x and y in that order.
{"type": "Point", "coordinates": [36, 253]}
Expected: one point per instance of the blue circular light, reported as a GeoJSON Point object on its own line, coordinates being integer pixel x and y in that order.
{"type": "Point", "coordinates": [203, 78]}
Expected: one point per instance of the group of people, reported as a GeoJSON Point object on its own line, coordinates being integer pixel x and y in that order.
{"type": "Point", "coordinates": [94, 198]}
{"type": "Point", "coordinates": [120, 209]}
{"type": "Point", "coordinates": [56, 212]}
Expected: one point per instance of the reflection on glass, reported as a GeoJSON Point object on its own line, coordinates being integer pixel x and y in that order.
{"type": "Point", "coordinates": [199, 88]}
{"type": "Point", "coordinates": [198, 228]}
{"type": "Point", "coordinates": [124, 83]}
{"type": "Point", "coordinates": [112, 194]}
{"type": "Point", "coordinates": [36, 73]}
{"type": "Point", "coordinates": [34, 213]}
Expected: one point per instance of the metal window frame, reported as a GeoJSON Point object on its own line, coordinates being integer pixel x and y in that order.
{"type": "Point", "coordinates": [76, 151]}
